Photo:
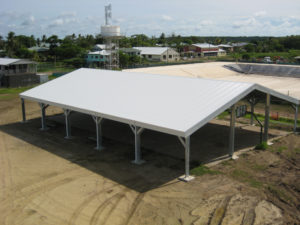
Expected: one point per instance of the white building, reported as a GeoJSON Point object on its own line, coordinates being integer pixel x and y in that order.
{"type": "Point", "coordinates": [163, 54]}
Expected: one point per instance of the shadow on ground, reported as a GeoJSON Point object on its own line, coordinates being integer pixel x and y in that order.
{"type": "Point", "coordinates": [163, 153]}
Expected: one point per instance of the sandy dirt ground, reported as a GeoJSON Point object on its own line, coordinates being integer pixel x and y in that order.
{"type": "Point", "coordinates": [46, 179]}
{"type": "Point", "coordinates": [216, 70]}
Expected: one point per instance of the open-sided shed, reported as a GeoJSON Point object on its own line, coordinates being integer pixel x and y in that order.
{"type": "Point", "coordinates": [173, 105]}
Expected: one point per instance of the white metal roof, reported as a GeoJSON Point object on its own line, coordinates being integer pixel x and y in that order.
{"type": "Point", "coordinates": [101, 46]}
{"type": "Point", "coordinates": [103, 52]}
{"type": "Point", "coordinates": [205, 45]}
{"type": "Point", "coordinates": [174, 105]}
{"type": "Point", "coordinates": [10, 61]}
{"type": "Point", "coordinates": [225, 46]}
{"type": "Point", "coordinates": [7, 61]}
{"type": "Point", "coordinates": [152, 50]}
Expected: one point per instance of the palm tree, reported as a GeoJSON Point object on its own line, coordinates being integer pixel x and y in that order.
{"type": "Point", "coordinates": [10, 44]}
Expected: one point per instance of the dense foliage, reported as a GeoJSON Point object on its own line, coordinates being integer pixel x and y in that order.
{"type": "Point", "coordinates": [72, 49]}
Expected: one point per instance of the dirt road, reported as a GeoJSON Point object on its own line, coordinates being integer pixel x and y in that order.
{"type": "Point", "coordinates": [46, 179]}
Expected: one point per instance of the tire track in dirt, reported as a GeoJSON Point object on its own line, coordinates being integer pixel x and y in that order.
{"type": "Point", "coordinates": [134, 207]}
{"type": "Point", "coordinates": [5, 166]}
{"type": "Point", "coordinates": [5, 177]}
{"type": "Point", "coordinates": [101, 208]}
{"type": "Point", "coordinates": [86, 202]}
{"type": "Point", "coordinates": [33, 193]}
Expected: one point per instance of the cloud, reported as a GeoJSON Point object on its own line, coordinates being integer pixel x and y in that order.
{"type": "Point", "coordinates": [29, 21]}
{"type": "Point", "coordinates": [260, 13]}
{"type": "Point", "coordinates": [118, 20]}
{"type": "Point", "coordinates": [243, 23]}
{"type": "Point", "coordinates": [56, 23]}
{"type": "Point", "coordinates": [166, 18]}
{"type": "Point", "coordinates": [206, 23]}
{"type": "Point", "coordinates": [63, 19]}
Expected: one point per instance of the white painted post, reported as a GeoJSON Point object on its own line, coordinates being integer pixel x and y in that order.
{"type": "Point", "coordinates": [23, 111]}
{"type": "Point", "coordinates": [43, 119]}
{"type": "Point", "coordinates": [67, 123]}
{"type": "Point", "coordinates": [98, 121]}
{"type": "Point", "coordinates": [232, 130]}
{"type": "Point", "coordinates": [187, 144]}
{"type": "Point", "coordinates": [296, 118]}
{"type": "Point", "coordinates": [137, 142]}
{"type": "Point", "coordinates": [267, 117]}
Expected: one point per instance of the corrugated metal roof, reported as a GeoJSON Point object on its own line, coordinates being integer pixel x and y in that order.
{"type": "Point", "coordinates": [225, 46]}
{"type": "Point", "coordinates": [174, 105]}
{"type": "Point", "coordinates": [101, 46]}
{"type": "Point", "coordinates": [7, 61]}
{"type": "Point", "coordinates": [205, 45]}
{"type": "Point", "coordinates": [103, 52]}
{"type": "Point", "coordinates": [152, 50]}
{"type": "Point", "coordinates": [10, 61]}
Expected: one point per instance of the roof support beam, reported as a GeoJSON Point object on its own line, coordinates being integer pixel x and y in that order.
{"type": "Point", "coordinates": [232, 130]}
{"type": "Point", "coordinates": [43, 119]}
{"type": "Point", "coordinates": [23, 111]}
{"type": "Point", "coordinates": [137, 131]}
{"type": "Point", "coordinates": [98, 121]}
{"type": "Point", "coordinates": [186, 144]}
{"type": "Point", "coordinates": [267, 117]}
{"type": "Point", "coordinates": [67, 113]}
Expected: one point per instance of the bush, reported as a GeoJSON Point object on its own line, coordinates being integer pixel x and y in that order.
{"type": "Point", "coordinates": [262, 146]}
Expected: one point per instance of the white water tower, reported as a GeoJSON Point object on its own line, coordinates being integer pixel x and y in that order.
{"type": "Point", "coordinates": [111, 35]}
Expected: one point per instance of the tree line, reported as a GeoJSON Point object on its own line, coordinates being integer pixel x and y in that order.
{"type": "Point", "coordinates": [72, 48]}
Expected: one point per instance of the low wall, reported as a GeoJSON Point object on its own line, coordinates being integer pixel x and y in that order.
{"type": "Point", "coordinates": [267, 70]}
{"type": "Point", "coordinates": [20, 80]}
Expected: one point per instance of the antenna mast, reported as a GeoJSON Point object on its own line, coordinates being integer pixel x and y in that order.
{"type": "Point", "coordinates": [107, 14]}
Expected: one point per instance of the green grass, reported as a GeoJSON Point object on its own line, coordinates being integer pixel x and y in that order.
{"type": "Point", "coordinates": [280, 119]}
{"type": "Point", "coordinates": [201, 170]}
{"type": "Point", "coordinates": [244, 176]}
{"type": "Point", "coordinates": [279, 193]}
{"type": "Point", "coordinates": [259, 167]}
{"type": "Point", "coordinates": [297, 150]}
{"type": "Point", "coordinates": [223, 115]}
{"type": "Point", "coordinates": [14, 90]}
{"type": "Point", "coordinates": [279, 149]}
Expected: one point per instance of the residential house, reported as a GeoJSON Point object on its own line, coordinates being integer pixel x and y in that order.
{"type": "Point", "coordinates": [163, 54]}
{"type": "Point", "coordinates": [200, 50]}
{"type": "Point", "coordinates": [97, 57]}
{"type": "Point", "coordinates": [131, 51]}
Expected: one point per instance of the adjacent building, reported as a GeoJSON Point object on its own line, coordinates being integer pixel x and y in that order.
{"type": "Point", "coordinates": [163, 54]}
{"type": "Point", "coordinates": [17, 72]}
{"type": "Point", "coordinates": [227, 48]}
{"type": "Point", "coordinates": [131, 51]}
{"type": "Point", "coordinates": [202, 50]}
{"type": "Point", "coordinates": [97, 57]}
{"type": "Point", "coordinates": [98, 47]}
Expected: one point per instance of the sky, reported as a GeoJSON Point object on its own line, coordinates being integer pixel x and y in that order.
{"type": "Point", "coordinates": [152, 17]}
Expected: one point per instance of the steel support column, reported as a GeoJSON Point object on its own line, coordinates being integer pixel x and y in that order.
{"type": "Point", "coordinates": [23, 111]}
{"type": "Point", "coordinates": [43, 119]}
{"type": "Point", "coordinates": [232, 130]}
{"type": "Point", "coordinates": [137, 131]}
{"type": "Point", "coordinates": [98, 121]}
{"type": "Point", "coordinates": [67, 113]}
{"type": "Point", "coordinates": [252, 101]}
{"type": "Point", "coordinates": [296, 117]}
{"type": "Point", "coordinates": [267, 117]}
{"type": "Point", "coordinates": [186, 144]}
